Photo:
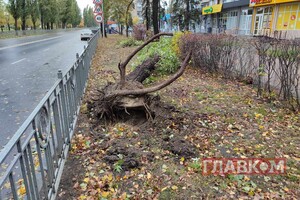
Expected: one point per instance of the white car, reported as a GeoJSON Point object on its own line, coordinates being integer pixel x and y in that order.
{"type": "Point", "coordinates": [86, 35]}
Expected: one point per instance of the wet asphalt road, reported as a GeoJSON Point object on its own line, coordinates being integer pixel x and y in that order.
{"type": "Point", "coordinates": [28, 69]}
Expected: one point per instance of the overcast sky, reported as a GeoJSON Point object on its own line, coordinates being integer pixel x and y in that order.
{"type": "Point", "coordinates": [83, 3]}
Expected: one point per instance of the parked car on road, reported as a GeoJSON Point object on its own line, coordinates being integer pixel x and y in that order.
{"type": "Point", "coordinates": [86, 34]}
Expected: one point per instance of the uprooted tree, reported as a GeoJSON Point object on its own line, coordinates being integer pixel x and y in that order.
{"type": "Point", "coordinates": [129, 93]}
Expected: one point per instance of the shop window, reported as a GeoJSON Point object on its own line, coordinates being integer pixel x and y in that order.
{"type": "Point", "coordinates": [245, 22]}
{"type": "Point", "coordinates": [288, 17]}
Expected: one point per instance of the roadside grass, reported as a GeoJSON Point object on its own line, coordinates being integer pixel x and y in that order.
{"type": "Point", "coordinates": [212, 117]}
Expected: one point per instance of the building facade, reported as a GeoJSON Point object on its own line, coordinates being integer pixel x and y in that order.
{"type": "Point", "coordinates": [252, 17]}
{"type": "Point", "coordinates": [273, 17]}
{"type": "Point", "coordinates": [137, 11]}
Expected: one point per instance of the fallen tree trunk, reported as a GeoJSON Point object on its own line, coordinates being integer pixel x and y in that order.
{"type": "Point", "coordinates": [144, 70]}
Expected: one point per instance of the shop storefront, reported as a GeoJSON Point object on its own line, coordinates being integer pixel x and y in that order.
{"type": "Point", "coordinates": [236, 17]}
{"type": "Point", "coordinates": [211, 13]}
{"type": "Point", "coordinates": [273, 16]}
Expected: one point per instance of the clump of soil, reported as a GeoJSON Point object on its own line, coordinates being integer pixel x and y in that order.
{"type": "Point", "coordinates": [180, 147]}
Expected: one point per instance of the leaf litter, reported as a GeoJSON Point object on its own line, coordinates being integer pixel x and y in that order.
{"type": "Point", "coordinates": [198, 116]}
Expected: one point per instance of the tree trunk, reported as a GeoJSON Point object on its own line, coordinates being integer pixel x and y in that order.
{"type": "Point", "coordinates": [23, 16]}
{"type": "Point", "coordinates": [126, 17]}
{"type": "Point", "coordinates": [187, 15]}
{"type": "Point", "coordinates": [147, 14]}
{"type": "Point", "coordinates": [155, 7]}
{"type": "Point", "coordinates": [144, 70]}
{"type": "Point", "coordinates": [16, 24]}
{"type": "Point", "coordinates": [42, 20]}
{"type": "Point", "coordinates": [34, 24]}
{"type": "Point", "coordinates": [101, 28]}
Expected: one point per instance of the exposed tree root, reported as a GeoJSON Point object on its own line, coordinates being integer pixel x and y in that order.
{"type": "Point", "coordinates": [129, 95]}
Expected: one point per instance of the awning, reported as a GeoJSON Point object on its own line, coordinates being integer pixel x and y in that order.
{"type": "Point", "coordinates": [212, 9]}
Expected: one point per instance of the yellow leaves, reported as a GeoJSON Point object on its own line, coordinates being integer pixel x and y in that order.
{"type": "Point", "coordinates": [236, 149]}
{"type": "Point", "coordinates": [174, 187]}
{"type": "Point", "coordinates": [249, 102]}
{"type": "Point", "coordinates": [121, 129]}
{"type": "Point", "coordinates": [82, 197]}
{"type": "Point", "coordinates": [149, 176]}
{"type": "Point", "coordinates": [105, 194]}
{"type": "Point", "coordinates": [163, 189]}
{"type": "Point", "coordinates": [265, 133]}
{"type": "Point", "coordinates": [123, 196]}
{"type": "Point", "coordinates": [182, 160]}
{"type": "Point", "coordinates": [261, 127]}
{"type": "Point", "coordinates": [108, 177]}
{"type": "Point", "coordinates": [164, 168]}
{"type": "Point", "coordinates": [246, 178]}
{"type": "Point", "coordinates": [258, 116]}
{"type": "Point", "coordinates": [22, 190]}
{"type": "Point", "coordinates": [86, 180]}
{"type": "Point", "coordinates": [297, 159]}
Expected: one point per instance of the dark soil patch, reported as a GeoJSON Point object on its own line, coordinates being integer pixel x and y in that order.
{"type": "Point", "coordinates": [180, 147]}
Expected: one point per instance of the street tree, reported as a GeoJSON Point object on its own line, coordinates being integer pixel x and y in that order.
{"type": "Point", "coordinates": [128, 15]}
{"type": "Point", "coordinates": [2, 15]}
{"type": "Point", "coordinates": [185, 12]}
{"type": "Point", "coordinates": [147, 13]}
{"type": "Point", "coordinates": [76, 17]}
{"type": "Point", "coordinates": [14, 7]}
{"type": "Point", "coordinates": [155, 13]}
{"type": "Point", "coordinates": [34, 12]}
{"type": "Point", "coordinates": [25, 10]}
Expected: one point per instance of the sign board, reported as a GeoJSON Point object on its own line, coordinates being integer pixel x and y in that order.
{"type": "Point", "coordinates": [268, 2]}
{"type": "Point", "coordinates": [212, 9]}
{"type": "Point", "coordinates": [97, 2]}
{"type": "Point", "coordinates": [98, 9]}
{"type": "Point", "coordinates": [98, 18]}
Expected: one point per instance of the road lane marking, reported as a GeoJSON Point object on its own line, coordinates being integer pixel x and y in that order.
{"type": "Point", "coordinates": [46, 49]}
{"type": "Point", "coordinates": [23, 44]}
{"type": "Point", "coordinates": [18, 61]}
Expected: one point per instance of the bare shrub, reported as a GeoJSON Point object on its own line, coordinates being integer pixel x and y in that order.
{"type": "Point", "coordinates": [228, 55]}
{"type": "Point", "coordinates": [244, 67]}
{"type": "Point", "coordinates": [206, 50]}
{"type": "Point", "coordinates": [139, 32]}
{"type": "Point", "coordinates": [262, 45]}
{"type": "Point", "coordinates": [288, 52]}
{"type": "Point", "coordinates": [263, 61]}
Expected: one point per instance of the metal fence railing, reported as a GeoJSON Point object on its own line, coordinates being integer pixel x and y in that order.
{"type": "Point", "coordinates": [32, 162]}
